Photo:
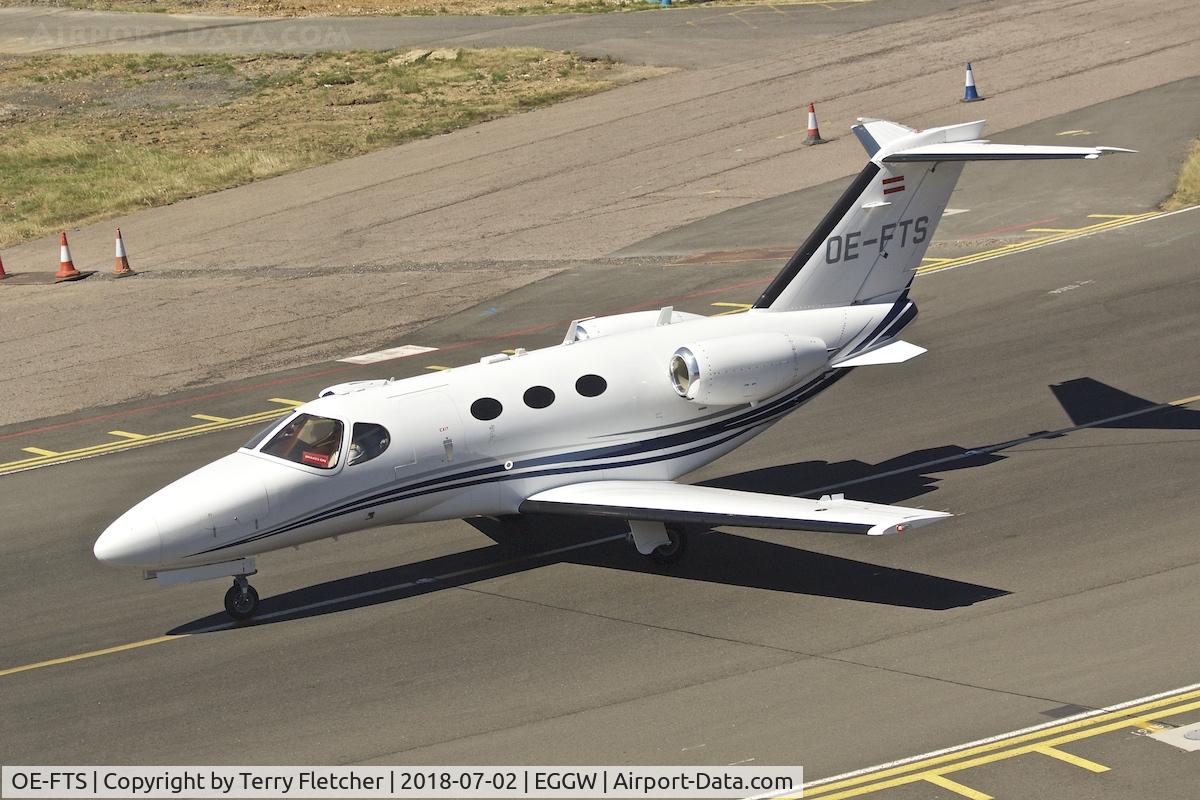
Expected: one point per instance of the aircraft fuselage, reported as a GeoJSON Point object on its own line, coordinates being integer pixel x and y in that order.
{"type": "Point", "coordinates": [541, 429]}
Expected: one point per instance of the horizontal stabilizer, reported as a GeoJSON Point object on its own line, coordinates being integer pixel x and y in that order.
{"type": "Point", "coordinates": [665, 501]}
{"type": "Point", "coordinates": [896, 352]}
{"type": "Point", "coordinates": [980, 150]}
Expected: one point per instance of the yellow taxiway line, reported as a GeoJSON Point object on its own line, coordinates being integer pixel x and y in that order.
{"type": "Point", "coordinates": [1043, 741]}
{"type": "Point", "coordinates": [1053, 236]}
{"type": "Point", "coordinates": [92, 654]}
{"type": "Point", "coordinates": [127, 441]}
{"type": "Point", "coordinates": [1184, 401]}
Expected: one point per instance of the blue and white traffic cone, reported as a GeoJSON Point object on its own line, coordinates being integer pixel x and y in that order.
{"type": "Point", "coordinates": [970, 95]}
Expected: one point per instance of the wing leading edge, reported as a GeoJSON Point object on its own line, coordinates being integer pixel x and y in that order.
{"type": "Point", "coordinates": [665, 501]}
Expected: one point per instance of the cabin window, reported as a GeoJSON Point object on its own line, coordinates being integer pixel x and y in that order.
{"type": "Point", "coordinates": [486, 408]}
{"type": "Point", "coordinates": [591, 385]}
{"type": "Point", "coordinates": [367, 441]}
{"type": "Point", "coordinates": [539, 396]}
{"type": "Point", "coordinates": [310, 440]}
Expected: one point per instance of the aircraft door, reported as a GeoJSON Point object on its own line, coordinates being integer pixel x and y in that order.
{"type": "Point", "coordinates": [442, 455]}
{"type": "Point", "coordinates": [432, 435]}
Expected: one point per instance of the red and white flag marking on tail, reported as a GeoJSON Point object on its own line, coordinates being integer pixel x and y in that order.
{"type": "Point", "coordinates": [892, 185]}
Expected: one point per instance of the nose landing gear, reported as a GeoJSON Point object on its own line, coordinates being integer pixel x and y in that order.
{"type": "Point", "coordinates": [241, 601]}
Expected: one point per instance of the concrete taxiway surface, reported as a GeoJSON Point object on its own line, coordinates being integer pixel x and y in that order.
{"type": "Point", "coordinates": [686, 37]}
{"type": "Point", "coordinates": [1066, 581]}
{"type": "Point", "coordinates": [511, 200]}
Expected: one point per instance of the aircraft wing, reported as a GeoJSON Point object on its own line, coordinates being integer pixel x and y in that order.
{"type": "Point", "coordinates": [665, 501]}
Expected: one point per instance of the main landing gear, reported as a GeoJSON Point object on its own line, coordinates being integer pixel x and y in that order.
{"type": "Point", "coordinates": [241, 601]}
{"type": "Point", "coordinates": [662, 543]}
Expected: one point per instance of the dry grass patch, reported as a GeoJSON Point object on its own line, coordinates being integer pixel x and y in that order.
{"type": "Point", "coordinates": [1187, 186]}
{"type": "Point", "coordinates": [85, 137]}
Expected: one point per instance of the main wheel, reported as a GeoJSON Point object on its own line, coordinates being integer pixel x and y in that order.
{"type": "Point", "coordinates": [673, 551]}
{"type": "Point", "coordinates": [241, 602]}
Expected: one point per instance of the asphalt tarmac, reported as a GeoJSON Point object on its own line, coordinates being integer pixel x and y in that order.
{"type": "Point", "coordinates": [1066, 582]}
{"type": "Point", "coordinates": [684, 37]}
{"type": "Point", "coordinates": [231, 276]}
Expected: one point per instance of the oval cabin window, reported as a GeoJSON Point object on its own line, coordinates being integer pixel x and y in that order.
{"type": "Point", "coordinates": [539, 396]}
{"type": "Point", "coordinates": [591, 385]}
{"type": "Point", "coordinates": [486, 408]}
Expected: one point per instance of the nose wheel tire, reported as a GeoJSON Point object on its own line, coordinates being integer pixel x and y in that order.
{"type": "Point", "coordinates": [673, 551]}
{"type": "Point", "coordinates": [241, 601]}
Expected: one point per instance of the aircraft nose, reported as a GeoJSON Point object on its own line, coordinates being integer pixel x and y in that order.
{"type": "Point", "coordinates": [132, 541]}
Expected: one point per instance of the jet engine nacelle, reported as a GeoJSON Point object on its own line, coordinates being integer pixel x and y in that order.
{"type": "Point", "coordinates": [745, 368]}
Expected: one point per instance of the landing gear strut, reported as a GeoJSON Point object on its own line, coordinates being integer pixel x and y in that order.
{"type": "Point", "coordinates": [241, 601]}
{"type": "Point", "coordinates": [663, 543]}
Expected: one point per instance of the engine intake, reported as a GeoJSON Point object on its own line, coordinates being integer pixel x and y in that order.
{"type": "Point", "coordinates": [745, 368]}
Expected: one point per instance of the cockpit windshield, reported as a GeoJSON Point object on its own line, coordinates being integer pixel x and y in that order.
{"type": "Point", "coordinates": [257, 438]}
{"type": "Point", "coordinates": [309, 440]}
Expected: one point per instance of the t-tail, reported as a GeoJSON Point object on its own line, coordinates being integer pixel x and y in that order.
{"type": "Point", "coordinates": [868, 247]}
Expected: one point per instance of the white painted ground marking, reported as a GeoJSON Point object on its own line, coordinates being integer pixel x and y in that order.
{"type": "Point", "coordinates": [989, 740]}
{"type": "Point", "coordinates": [1070, 287]}
{"type": "Point", "coordinates": [1181, 737]}
{"type": "Point", "coordinates": [950, 212]}
{"type": "Point", "coordinates": [402, 351]}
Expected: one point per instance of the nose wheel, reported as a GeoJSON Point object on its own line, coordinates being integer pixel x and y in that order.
{"type": "Point", "coordinates": [241, 601]}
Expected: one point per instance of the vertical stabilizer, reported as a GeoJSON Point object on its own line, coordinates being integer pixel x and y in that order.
{"type": "Point", "coordinates": [868, 247]}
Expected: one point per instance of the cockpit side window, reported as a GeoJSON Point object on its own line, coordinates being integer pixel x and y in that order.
{"type": "Point", "coordinates": [309, 440]}
{"type": "Point", "coordinates": [368, 441]}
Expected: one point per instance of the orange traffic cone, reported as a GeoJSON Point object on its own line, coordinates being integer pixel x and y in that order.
{"type": "Point", "coordinates": [3, 274]}
{"type": "Point", "coordinates": [66, 267]}
{"type": "Point", "coordinates": [122, 267]}
{"type": "Point", "coordinates": [814, 133]}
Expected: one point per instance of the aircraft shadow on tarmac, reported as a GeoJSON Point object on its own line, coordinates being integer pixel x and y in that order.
{"type": "Point", "coordinates": [530, 542]}
{"type": "Point", "coordinates": [535, 541]}
{"type": "Point", "coordinates": [1092, 404]}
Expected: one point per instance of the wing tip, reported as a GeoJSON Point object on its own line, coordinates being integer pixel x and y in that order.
{"type": "Point", "coordinates": [916, 521]}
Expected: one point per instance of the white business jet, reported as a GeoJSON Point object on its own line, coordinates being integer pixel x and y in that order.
{"type": "Point", "coordinates": [602, 424]}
